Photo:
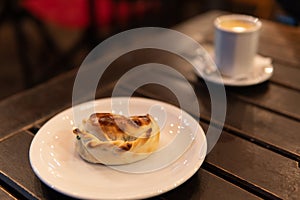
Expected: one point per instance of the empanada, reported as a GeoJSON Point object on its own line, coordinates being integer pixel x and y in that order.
{"type": "Point", "coordinates": [113, 139]}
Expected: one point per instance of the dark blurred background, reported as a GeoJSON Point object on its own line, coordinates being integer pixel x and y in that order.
{"type": "Point", "coordinates": [42, 38]}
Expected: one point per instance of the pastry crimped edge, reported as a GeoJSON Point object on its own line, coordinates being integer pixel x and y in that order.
{"type": "Point", "coordinates": [117, 152]}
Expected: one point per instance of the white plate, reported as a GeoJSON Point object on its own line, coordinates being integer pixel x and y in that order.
{"type": "Point", "coordinates": [261, 71]}
{"type": "Point", "coordinates": [54, 160]}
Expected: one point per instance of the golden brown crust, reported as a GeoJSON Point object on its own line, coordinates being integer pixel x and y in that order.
{"type": "Point", "coordinates": [106, 137]}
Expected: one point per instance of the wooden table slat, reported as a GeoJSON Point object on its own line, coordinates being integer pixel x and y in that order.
{"type": "Point", "coordinates": [21, 110]}
{"type": "Point", "coordinates": [286, 76]}
{"type": "Point", "coordinates": [257, 165]}
{"type": "Point", "coordinates": [4, 195]}
{"type": "Point", "coordinates": [270, 97]}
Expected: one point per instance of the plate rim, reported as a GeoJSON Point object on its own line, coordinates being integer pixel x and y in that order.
{"type": "Point", "coordinates": [167, 188]}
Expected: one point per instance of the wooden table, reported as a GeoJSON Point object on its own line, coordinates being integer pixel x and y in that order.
{"type": "Point", "coordinates": [257, 155]}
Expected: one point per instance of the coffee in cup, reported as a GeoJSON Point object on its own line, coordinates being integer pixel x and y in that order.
{"type": "Point", "coordinates": [236, 42]}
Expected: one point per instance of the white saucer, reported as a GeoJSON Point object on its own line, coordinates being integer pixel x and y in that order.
{"type": "Point", "coordinates": [54, 159]}
{"type": "Point", "coordinates": [261, 71]}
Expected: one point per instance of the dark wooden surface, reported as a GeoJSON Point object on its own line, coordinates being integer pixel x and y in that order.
{"type": "Point", "coordinates": [256, 157]}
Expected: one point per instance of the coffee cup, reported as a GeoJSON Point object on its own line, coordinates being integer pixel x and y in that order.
{"type": "Point", "coordinates": [236, 43]}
